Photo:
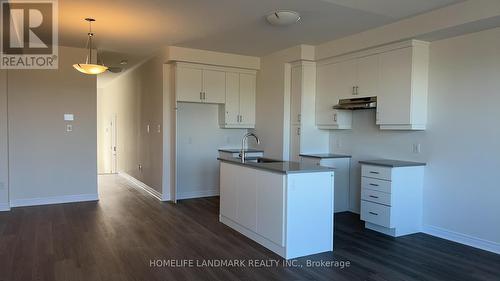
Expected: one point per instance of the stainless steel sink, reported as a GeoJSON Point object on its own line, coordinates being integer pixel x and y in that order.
{"type": "Point", "coordinates": [262, 160]}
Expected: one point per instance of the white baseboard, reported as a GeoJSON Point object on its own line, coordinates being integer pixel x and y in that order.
{"type": "Point", "coordinates": [139, 184]}
{"type": "Point", "coordinates": [4, 207]}
{"type": "Point", "coordinates": [462, 238]}
{"type": "Point", "coordinates": [197, 194]}
{"type": "Point", "coordinates": [54, 200]}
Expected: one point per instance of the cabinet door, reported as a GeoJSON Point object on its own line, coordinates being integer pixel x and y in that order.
{"type": "Point", "coordinates": [270, 207]}
{"type": "Point", "coordinates": [325, 99]}
{"type": "Point", "coordinates": [394, 99]}
{"type": "Point", "coordinates": [343, 80]}
{"type": "Point", "coordinates": [295, 143]}
{"type": "Point", "coordinates": [247, 197]}
{"type": "Point", "coordinates": [214, 86]}
{"type": "Point", "coordinates": [247, 99]}
{"type": "Point", "coordinates": [295, 95]}
{"type": "Point", "coordinates": [228, 191]}
{"type": "Point", "coordinates": [232, 106]}
{"type": "Point", "coordinates": [342, 181]}
{"type": "Point", "coordinates": [368, 71]}
{"type": "Point", "coordinates": [188, 84]}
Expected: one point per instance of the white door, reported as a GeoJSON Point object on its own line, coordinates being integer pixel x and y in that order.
{"type": "Point", "coordinates": [214, 86]}
{"type": "Point", "coordinates": [247, 98]}
{"type": "Point", "coordinates": [295, 95]}
{"type": "Point", "coordinates": [324, 96]}
{"type": "Point", "coordinates": [109, 153]}
{"type": "Point", "coordinates": [394, 99]}
{"type": "Point", "coordinates": [368, 71]}
{"type": "Point", "coordinates": [188, 84]}
{"type": "Point", "coordinates": [232, 105]}
{"type": "Point", "coordinates": [295, 143]}
{"type": "Point", "coordinates": [343, 80]}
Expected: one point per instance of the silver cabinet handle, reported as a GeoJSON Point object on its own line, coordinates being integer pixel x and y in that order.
{"type": "Point", "coordinates": [357, 90]}
{"type": "Point", "coordinates": [353, 90]}
{"type": "Point", "coordinates": [373, 196]}
{"type": "Point", "coordinates": [372, 213]}
{"type": "Point", "coordinates": [299, 116]}
{"type": "Point", "coordinates": [372, 172]}
{"type": "Point", "coordinates": [373, 184]}
{"type": "Point", "coordinates": [201, 96]}
{"type": "Point", "coordinates": [298, 131]}
{"type": "Point", "coordinates": [204, 96]}
{"type": "Point", "coordinates": [335, 117]}
{"type": "Point", "coordinates": [241, 118]}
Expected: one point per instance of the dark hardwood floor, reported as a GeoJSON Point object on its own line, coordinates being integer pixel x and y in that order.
{"type": "Point", "coordinates": [118, 237]}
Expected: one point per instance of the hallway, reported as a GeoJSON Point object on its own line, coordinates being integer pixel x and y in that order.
{"type": "Point", "coordinates": [117, 237]}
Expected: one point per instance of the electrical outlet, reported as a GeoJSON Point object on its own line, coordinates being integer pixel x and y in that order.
{"type": "Point", "coordinates": [69, 128]}
{"type": "Point", "coordinates": [417, 148]}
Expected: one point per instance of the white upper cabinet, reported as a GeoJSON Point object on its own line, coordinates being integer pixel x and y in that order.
{"type": "Point", "coordinates": [214, 86]}
{"type": "Point", "coordinates": [402, 102]}
{"type": "Point", "coordinates": [233, 88]}
{"type": "Point", "coordinates": [239, 109]}
{"type": "Point", "coordinates": [193, 83]}
{"type": "Point", "coordinates": [332, 82]}
{"type": "Point", "coordinates": [396, 74]}
{"type": "Point", "coordinates": [188, 84]}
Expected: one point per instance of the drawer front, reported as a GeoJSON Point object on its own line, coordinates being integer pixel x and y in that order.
{"type": "Point", "coordinates": [376, 213]}
{"type": "Point", "coordinates": [376, 184]}
{"type": "Point", "coordinates": [376, 196]}
{"type": "Point", "coordinates": [383, 173]}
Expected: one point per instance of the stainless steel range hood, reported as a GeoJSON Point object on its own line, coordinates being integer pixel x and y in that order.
{"type": "Point", "coordinates": [358, 103]}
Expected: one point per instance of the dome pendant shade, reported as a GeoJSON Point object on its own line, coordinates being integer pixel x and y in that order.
{"type": "Point", "coordinates": [88, 67]}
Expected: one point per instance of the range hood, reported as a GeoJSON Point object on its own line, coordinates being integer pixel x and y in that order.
{"type": "Point", "coordinates": [358, 103]}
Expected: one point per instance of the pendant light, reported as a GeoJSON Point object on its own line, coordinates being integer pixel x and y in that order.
{"type": "Point", "coordinates": [88, 67]}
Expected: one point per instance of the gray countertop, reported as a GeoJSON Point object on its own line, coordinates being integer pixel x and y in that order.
{"type": "Point", "coordinates": [325, 155]}
{"type": "Point", "coordinates": [285, 167]}
{"type": "Point", "coordinates": [237, 150]}
{"type": "Point", "coordinates": [392, 163]}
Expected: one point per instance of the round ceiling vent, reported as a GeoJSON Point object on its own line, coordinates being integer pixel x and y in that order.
{"type": "Point", "coordinates": [283, 17]}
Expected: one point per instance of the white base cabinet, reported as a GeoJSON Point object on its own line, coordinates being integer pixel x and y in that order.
{"type": "Point", "coordinates": [342, 168]}
{"type": "Point", "coordinates": [391, 199]}
{"type": "Point", "coordinates": [290, 214]}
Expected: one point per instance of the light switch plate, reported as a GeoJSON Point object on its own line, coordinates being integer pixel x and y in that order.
{"type": "Point", "coordinates": [69, 117]}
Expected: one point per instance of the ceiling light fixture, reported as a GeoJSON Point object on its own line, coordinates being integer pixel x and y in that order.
{"type": "Point", "coordinates": [88, 67]}
{"type": "Point", "coordinates": [283, 17]}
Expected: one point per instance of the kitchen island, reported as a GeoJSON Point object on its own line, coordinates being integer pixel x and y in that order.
{"type": "Point", "coordinates": [284, 206]}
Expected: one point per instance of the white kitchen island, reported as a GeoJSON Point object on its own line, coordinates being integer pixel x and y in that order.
{"type": "Point", "coordinates": [284, 206]}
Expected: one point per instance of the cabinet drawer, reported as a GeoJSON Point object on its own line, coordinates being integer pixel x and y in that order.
{"type": "Point", "coordinates": [376, 196]}
{"type": "Point", "coordinates": [376, 184]}
{"type": "Point", "coordinates": [376, 214]}
{"type": "Point", "coordinates": [383, 173]}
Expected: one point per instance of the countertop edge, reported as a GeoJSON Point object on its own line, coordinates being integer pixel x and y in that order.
{"type": "Point", "coordinates": [331, 156]}
{"type": "Point", "coordinates": [402, 164]}
{"type": "Point", "coordinates": [327, 170]}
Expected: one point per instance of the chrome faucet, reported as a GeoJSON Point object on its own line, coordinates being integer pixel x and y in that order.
{"type": "Point", "coordinates": [244, 144]}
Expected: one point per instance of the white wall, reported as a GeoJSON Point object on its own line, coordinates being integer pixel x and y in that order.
{"type": "Point", "coordinates": [45, 161]}
{"type": "Point", "coordinates": [460, 146]}
{"type": "Point", "coordinates": [198, 140]}
{"type": "Point", "coordinates": [4, 172]}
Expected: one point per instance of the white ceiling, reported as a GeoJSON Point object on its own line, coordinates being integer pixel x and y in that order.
{"type": "Point", "coordinates": [236, 26]}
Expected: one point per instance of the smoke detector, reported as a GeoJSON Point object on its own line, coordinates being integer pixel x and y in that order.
{"type": "Point", "coordinates": [283, 17]}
